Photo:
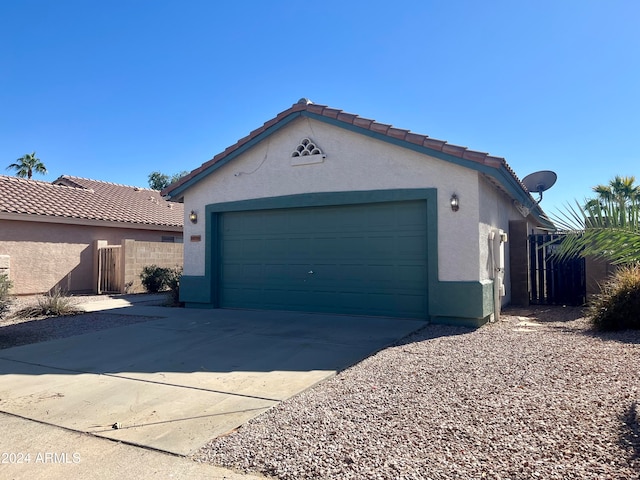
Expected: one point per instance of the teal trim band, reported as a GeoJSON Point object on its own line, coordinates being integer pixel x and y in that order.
{"type": "Point", "coordinates": [326, 199]}
{"type": "Point", "coordinates": [195, 290]}
{"type": "Point", "coordinates": [462, 303]}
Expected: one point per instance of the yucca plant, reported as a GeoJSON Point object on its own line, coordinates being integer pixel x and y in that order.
{"type": "Point", "coordinates": [53, 304]}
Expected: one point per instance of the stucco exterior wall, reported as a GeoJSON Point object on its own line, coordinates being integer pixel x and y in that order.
{"type": "Point", "coordinates": [44, 256]}
{"type": "Point", "coordinates": [353, 162]}
{"type": "Point", "coordinates": [496, 210]}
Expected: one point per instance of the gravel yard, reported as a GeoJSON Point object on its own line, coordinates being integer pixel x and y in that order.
{"type": "Point", "coordinates": [16, 331]}
{"type": "Point", "coordinates": [536, 395]}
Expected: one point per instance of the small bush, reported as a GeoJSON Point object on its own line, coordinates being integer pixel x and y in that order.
{"type": "Point", "coordinates": [617, 307]}
{"type": "Point", "coordinates": [173, 283]}
{"type": "Point", "coordinates": [5, 298]}
{"type": "Point", "coordinates": [154, 278]}
{"type": "Point", "coordinates": [54, 304]}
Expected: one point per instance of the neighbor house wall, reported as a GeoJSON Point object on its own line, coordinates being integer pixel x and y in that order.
{"type": "Point", "coordinates": [44, 255]}
{"type": "Point", "coordinates": [353, 162]}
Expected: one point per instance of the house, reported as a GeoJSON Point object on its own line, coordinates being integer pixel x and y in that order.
{"type": "Point", "coordinates": [48, 231]}
{"type": "Point", "coordinates": [319, 210]}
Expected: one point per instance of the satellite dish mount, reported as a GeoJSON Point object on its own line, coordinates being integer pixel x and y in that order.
{"type": "Point", "coordinates": [540, 182]}
{"type": "Point", "coordinates": [537, 182]}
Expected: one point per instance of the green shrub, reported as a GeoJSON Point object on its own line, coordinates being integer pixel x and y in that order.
{"type": "Point", "coordinates": [53, 304]}
{"type": "Point", "coordinates": [154, 278]}
{"type": "Point", "coordinates": [5, 298]}
{"type": "Point", "coordinates": [617, 307]}
{"type": "Point", "coordinates": [173, 283]}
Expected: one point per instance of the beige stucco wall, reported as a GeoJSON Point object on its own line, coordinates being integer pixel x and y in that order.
{"type": "Point", "coordinates": [48, 255]}
{"type": "Point", "coordinates": [496, 210]}
{"type": "Point", "coordinates": [353, 162]}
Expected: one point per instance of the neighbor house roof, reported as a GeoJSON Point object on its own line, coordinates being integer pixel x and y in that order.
{"type": "Point", "coordinates": [495, 169]}
{"type": "Point", "coordinates": [85, 200]}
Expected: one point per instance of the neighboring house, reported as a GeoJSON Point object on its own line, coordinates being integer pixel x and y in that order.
{"type": "Point", "coordinates": [48, 230]}
{"type": "Point", "coordinates": [324, 211]}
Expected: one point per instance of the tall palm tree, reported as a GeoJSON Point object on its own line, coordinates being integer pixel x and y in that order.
{"type": "Point", "coordinates": [621, 193]}
{"type": "Point", "coordinates": [26, 165]}
{"type": "Point", "coordinates": [607, 226]}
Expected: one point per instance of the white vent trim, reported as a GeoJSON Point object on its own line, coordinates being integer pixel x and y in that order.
{"type": "Point", "coordinates": [305, 148]}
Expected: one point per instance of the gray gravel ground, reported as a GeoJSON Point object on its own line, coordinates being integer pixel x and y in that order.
{"type": "Point", "coordinates": [536, 395]}
{"type": "Point", "coordinates": [15, 331]}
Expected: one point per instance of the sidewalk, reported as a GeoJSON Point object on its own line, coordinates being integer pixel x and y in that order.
{"type": "Point", "coordinates": [53, 453]}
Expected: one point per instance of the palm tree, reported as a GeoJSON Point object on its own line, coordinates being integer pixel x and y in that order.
{"type": "Point", "coordinates": [26, 165]}
{"type": "Point", "coordinates": [607, 226]}
{"type": "Point", "coordinates": [621, 192]}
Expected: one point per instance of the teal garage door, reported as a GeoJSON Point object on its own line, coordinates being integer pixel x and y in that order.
{"type": "Point", "coordinates": [365, 259]}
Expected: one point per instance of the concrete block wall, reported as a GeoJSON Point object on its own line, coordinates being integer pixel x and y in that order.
{"type": "Point", "coordinates": [136, 255]}
{"type": "Point", "coordinates": [519, 261]}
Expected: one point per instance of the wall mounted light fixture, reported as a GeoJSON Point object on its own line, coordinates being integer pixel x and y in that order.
{"type": "Point", "coordinates": [455, 202]}
{"type": "Point", "coordinates": [193, 217]}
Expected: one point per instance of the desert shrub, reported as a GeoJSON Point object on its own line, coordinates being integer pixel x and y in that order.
{"type": "Point", "coordinates": [154, 278]}
{"type": "Point", "coordinates": [173, 283]}
{"type": "Point", "coordinates": [5, 298]}
{"type": "Point", "coordinates": [617, 307]}
{"type": "Point", "coordinates": [53, 304]}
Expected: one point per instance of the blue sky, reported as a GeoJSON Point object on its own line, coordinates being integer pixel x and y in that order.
{"type": "Point", "coordinates": [117, 89]}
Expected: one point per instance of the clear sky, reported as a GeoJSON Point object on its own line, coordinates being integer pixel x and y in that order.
{"type": "Point", "coordinates": [113, 90]}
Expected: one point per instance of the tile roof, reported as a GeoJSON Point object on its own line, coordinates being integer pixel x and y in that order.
{"type": "Point", "coordinates": [351, 120]}
{"type": "Point", "coordinates": [85, 199]}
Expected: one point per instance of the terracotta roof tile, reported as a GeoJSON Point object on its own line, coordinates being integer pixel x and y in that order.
{"type": "Point", "coordinates": [81, 198]}
{"type": "Point", "coordinates": [434, 144]}
{"type": "Point", "coordinates": [379, 127]}
{"type": "Point", "coordinates": [362, 122]}
{"type": "Point", "coordinates": [454, 150]}
{"type": "Point", "coordinates": [397, 133]}
{"type": "Point", "coordinates": [347, 117]}
{"type": "Point", "coordinates": [414, 138]}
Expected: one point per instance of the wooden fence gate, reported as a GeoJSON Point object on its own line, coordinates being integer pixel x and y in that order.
{"type": "Point", "coordinates": [109, 270]}
{"type": "Point", "coordinates": [555, 282]}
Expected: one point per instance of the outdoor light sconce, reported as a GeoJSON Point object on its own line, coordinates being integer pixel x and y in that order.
{"type": "Point", "coordinates": [455, 202]}
{"type": "Point", "coordinates": [193, 217]}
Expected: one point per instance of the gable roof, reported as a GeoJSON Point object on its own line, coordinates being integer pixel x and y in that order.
{"type": "Point", "coordinates": [494, 168]}
{"type": "Point", "coordinates": [85, 200]}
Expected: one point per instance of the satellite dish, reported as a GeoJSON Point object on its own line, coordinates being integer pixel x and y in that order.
{"type": "Point", "coordinates": [540, 181]}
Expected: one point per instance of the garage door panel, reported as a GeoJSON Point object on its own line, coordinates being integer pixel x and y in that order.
{"type": "Point", "coordinates": [366, 259]}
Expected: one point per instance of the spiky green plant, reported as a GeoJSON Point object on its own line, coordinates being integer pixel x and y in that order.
{"type": "Point", "coordinates": [600, 228]}
{"type": "Point", "coordinates": [53, 304]}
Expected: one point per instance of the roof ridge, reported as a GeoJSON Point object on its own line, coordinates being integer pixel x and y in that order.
{"type": "Point", "coordinates": [377, 128]}
{"type": "Point", "coordinates": [73, 177]}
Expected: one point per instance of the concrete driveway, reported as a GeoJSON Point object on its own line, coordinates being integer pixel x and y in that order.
{"type": "Point", "coordinates": [176, 382]}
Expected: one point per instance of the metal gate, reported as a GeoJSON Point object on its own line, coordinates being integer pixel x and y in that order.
{"type": "Point", "coordinates": [109, 270]}
{"type": "Point", "coordinates": [555, 282]}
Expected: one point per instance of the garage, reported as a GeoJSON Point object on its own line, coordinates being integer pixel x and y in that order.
{"type": "Point", "coordinates": [364, 259]}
